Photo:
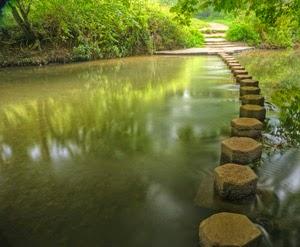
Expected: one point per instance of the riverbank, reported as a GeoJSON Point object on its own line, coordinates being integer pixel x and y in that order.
{"type": "Point", "coordinates": [51, 34]}
{"type": "Point", "coordinates": [16, 57]}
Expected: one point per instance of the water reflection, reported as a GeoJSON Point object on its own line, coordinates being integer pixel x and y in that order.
{"type": "Point", "coordinates": [109, 153]}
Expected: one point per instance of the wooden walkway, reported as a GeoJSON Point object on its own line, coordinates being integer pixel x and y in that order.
{"type": "Point", "coordinates": [215, 43]}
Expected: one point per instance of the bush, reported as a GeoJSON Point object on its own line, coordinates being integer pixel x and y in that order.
{"type": "Point", "coordinates": [241, 31]}
{"type": "Point", "coordinates": [93, 29]}
{"type": "Point", "coordinates": [283, 34]}
{"type": "Point", "coordinates": [168, 34]}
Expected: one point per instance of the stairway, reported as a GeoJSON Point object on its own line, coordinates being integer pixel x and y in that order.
{"type": "Point", "coordinates": [215, 43]}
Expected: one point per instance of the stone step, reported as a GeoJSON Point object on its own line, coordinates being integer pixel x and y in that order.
{"type": "Point", "coordinates": [253, 111]}
{"type": "Point", "coordinates": [215, 40]}
{"type": "Point", "coordinates": [220, 46]}
{"type": "Point", "coordinates": [229, 229]}
{"type": "Point", "coordinates": [214, 35]}
{"type": "Point", "coordinates": [235, 182]}
{"type": "Point", "coordinates": [217, 43]}
{"type": "Point", "coordinates": [246, 127]}
{"type": "Point", "coordinates": [212, 31]}
{"type": "Point", "coordinates": [253, 99]}
{"type": "Point", "coordinates": [240, 150]}
{"type": "Point", "coordinates": [204, 51]}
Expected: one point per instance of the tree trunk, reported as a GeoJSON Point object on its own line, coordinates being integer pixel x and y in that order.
{"type": "Point", "coordinates": [22, 20]}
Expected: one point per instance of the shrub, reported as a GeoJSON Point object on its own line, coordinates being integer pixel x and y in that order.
{"type": "Point", "coordinates": [282, 34]}
{"type": "Point", "coordinates": [93, 29]}
{"type": "Point", "coordinates": [241, 31]}
{"type": "Point", "coordinates": [168, 34]}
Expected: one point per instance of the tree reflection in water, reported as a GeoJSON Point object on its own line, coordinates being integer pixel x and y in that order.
{"type": "Point", "coordinates": [109, 154]}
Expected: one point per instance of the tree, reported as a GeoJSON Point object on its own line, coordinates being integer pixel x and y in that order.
{"type": "Point", "coordinates": [267, 11]}
{"type": "Point", "coordinates": [20, 10]}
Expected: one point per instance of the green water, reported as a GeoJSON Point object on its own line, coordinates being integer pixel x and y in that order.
{"type": "Point", "coordinates": [121, 152]}
{"type": "Point", "coordinates": [110, 153]}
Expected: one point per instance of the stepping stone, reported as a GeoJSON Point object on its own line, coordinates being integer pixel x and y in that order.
{"type": "Point", "coordinates": [231, 65]}
{"type": "Point", "coordinates": [246, 127]}
{"type": "Point", "coordinates": [239, 72]}
{"type": "Point", "coordinates": [249, 83]}
{"type": "Point", "coordinates": [242, 77]}
{"type": "Point", "coordinates": [228, 229]}
{"type": "Point", "coordinates": [240, 150]}
{"type": "Point", "coordinates": [227, 56]}
{"type": "Point", "coordinates": [239, 67]}
{"type": "Point", "coordinates": [252, 99]}
{"type": "Point", "coordinates": [249, 90]}
{"type": "Point", "coordinates": [253, 111]}
{"type": "Point", "coordinates": [229, 61]}
{"type": "Point", "coordinates": [235, 182]}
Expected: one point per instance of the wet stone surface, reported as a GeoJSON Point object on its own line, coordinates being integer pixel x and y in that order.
{"type": "Point", "coordinates": [253, 111]}
{"type": "Point", "coordinates": [235, 182]}
{"type": "Point", "coordinates": [252, 99]}
{"type": "Point", "coordinates": [233, 64]}
{"type": "Point", "coordinates": [240, 150]}
{"type": "Point", "coordinates": [237, 67]}
{"type": "Point", "coordinates": [239, 72]}
{"type": "Point", "coordinates": [242, 77]}
{"type": "Point", "coordinates": [228, 229]}
{"type": "Point", "coordinates": [230, 61]}
{"type": "Point", "coordinates": [249, 90]}
{"type": "Point", "coordinates": [249, 83]}
{"type": "Point", "coordinates": [246, 127]}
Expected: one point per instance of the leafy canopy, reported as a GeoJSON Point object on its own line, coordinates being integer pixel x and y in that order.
{"type": "Point", "coordinates": [267, 11]}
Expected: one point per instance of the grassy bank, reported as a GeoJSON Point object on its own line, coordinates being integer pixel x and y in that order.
{"type": "Point", "coordinates": [66, 31]}
{"type": "Point", "coordinates": [279, 76]}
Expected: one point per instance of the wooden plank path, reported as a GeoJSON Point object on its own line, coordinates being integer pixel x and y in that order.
{"type": "Point", "coordinates": [215, 43]}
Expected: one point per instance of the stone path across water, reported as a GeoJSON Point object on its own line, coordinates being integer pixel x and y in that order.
{"type": "Point", "coordinates": [215, 43]}
{"type": "Point", "coordinates": [234, 179]}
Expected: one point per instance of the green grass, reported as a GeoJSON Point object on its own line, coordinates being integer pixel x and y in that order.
{"type": "Point", "coordinates": [279, 74]}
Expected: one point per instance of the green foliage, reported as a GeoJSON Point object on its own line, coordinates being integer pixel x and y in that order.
{"type": "Point", "coordinates": [108, 28]}
{"type": "Point", "coordinates": [278, 21]}
{"type": "Point", "coordinates": [279, 74]}
{"type": "Point", "coordinates": [168, 34]}
{"type": "Point", "coordinates": [241, 31]}
{"type": "Point", "coordinates": [282, 34]}
{"type": "Point", "coordinates": [287, 97]}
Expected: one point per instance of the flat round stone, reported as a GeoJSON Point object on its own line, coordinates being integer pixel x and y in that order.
{"type": "Point", "coordinates": [240, 72]}
{"type": "Point", "coordinates": [249, 90]}
{"type": "Point", "coordinates": [240, 150]}
{"type": "Point", "coordinates": [239, 67]}
{"type": "Point", "coordinates": [228, 229]}
{"type": "Point", "coordinates": [233, 64]}
{"type": "Point", "coordinates": [249, 83]}
{"type": "Point", "coordinates": [252, 99]}
{"type": "Point", "coordinates": [246, 127]}
{"type": "Point", "coordinates": [245, 123]}
{"type": "Point", "coordinates": [235, 182]}
{"type": "Point", "coordinates": [253, 111]}
{"type": "Point", "coordinates": [242, 77]}
{"type": "Point", "coordinates": [227, 57]}
{"type": "Point", "coordinates": [231, 61]}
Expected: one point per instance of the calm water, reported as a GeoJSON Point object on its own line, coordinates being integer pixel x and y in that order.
{"type": "Point", "coordinates": [121, 153]}
{"type": "Point", "coordinates": [110, 153]}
